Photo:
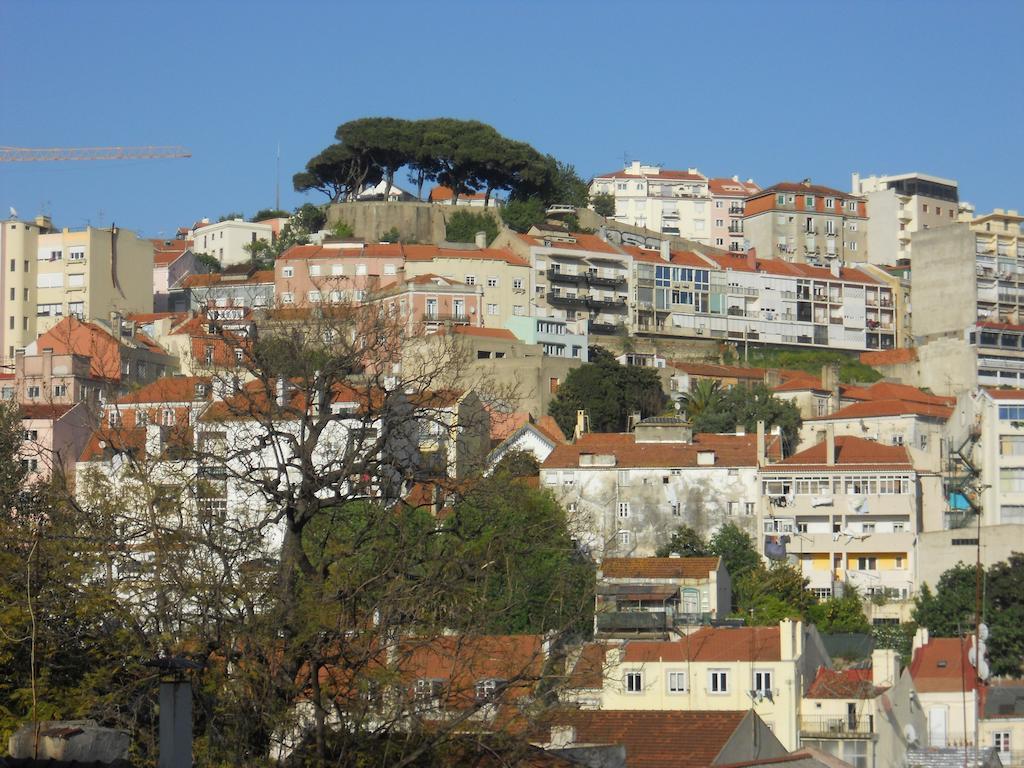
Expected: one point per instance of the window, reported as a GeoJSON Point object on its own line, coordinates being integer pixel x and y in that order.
{"type": "Point", "coordinates": [30, 434]}
{"type": "Point", "coordinates": [867, 564]}
{"type": "Point", "coordinates": [808, 201]}
{"type": "Point", "coordinates": [114, 418]}
{"type": "Point", "coordinates": [314, 270]}
{"type": "Point", "coordinates": [965, 542]}
{"type": "Point", "coordinates": [314, 297]}
{"type": "Point", "coordinates": [734, 507]}
{"type": "Point", "coordinates": [677, 509]}
{"type": "Point", "coordinates": [748, 508]}
{"type": "Point", "coordinates": [486, 690]}
{"type": "Point", "coordinates": [337, 270]}
{"type": "Point", "coordinates": [624, 538]}
{"type": "Point", "coordinates": [517, 283]}
{"type": "Point", "coordinates": [33, 390]}
{"type": "Point", "coordinates": [470, 279]}
{"type": "Point", "coordinates": [427, 690]}
{"type": "Point", "coordinates": [830, 203]}
{"type": "Point", "coordinates": [167, 417]}
{"type": "Point", "coordinates": [1001, 741]}
{"type": "Point", "coordinates": [287, 298]}
{"type": "Point", "coordinates": [492, 309]}
{"type": "Point", "coordinates": [623, 509]}
{"type": "Point", "coordinates": [718, 681]}
{"type": "Point", "coordinates": [30, 464]}
{"type": "Point", "coordinates": [623, 477]}
{"type": "Point", "coordinates": [899, 562]}
{"type": "Point", "coordinates": [763, 680]}
{"type": "Point", "coordinates": [518, 310]}
{"type": "Point", "coordinates": [390, 269]}
{"type": "Point", "coordinates": [634, 682]}
{"type": "Point", "coordinates": [60, 390]}
{"type": "Point", "coordinates": [780, 199]}
{"type": "Point", "coordinates": [677, 682]}
{"type": "Point", "coordinates": [492, 282]}
{"type": "Point", "coordinates": [287, 271]}
{"type": "Point", "coordinates": [360, 269]}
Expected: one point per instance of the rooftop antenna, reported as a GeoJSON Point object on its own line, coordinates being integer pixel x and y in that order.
{"type": "Point", "coordinates": [277, 180]}
{"type": "Point", "coordinates": [625, 159]}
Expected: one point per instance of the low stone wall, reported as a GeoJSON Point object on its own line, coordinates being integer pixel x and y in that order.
{"type": "Point", "coordinates": [423, 222]}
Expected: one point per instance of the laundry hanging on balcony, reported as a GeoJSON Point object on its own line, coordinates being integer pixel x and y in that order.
{"type": "Point", "coordinates": [860, 506]}
{"type": "Point", "coordinates": [775, 547]}
{"type": "Point", "coordinates": [821, 501]}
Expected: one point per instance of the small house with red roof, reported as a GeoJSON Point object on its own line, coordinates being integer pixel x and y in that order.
{"type": "Point", "coordinates": [173, 261]}
{"type": "Point", "coordinates": [442, 195]}
{"type": "Point", "coordinates": [238, 286]}
{"type": "Point", "coordinates": [947, 686]}
{"type": "Point", "coordinates": [656, 596]}
{"type": "Point", "coordinates": [847, 509]}
{"type": "Point", "coordinates": [627, 492]}
{"type": "Point", "coordinates": [428, 303]}
{"type": "Point", "coordinates": [717, 668]}
{"type": "Point", "coordinates": [537, 437]}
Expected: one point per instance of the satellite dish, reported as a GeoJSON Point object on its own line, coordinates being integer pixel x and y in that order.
{"type": "Point", "coordinates": [14, 213]}
{"type": "Point", "coordinates": [983, 631]}
{"type": "Point", "coordinates": [910, 734]}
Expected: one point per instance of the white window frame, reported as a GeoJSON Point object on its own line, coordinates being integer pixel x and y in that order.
{"type": "Point", "coordinates": [673, 686]}
{"type": "Point", "coordinates": [314, 270]}
{"type": "Point", "coordinates": [761, 680]}
{"type": "Point", "coordinates": [633, 681]}
{"type": "Point", "coordinates": [622, 510]}
{"type": "Point", "coordinates": [718, 682]}
{"type": "Point", "coordinates": [287, 272]}
{"type": "Point", "coordinates": [492, 282]}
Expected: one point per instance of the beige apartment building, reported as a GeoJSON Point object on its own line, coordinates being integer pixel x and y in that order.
{"type": "Point", "coordinates": [902, 205]}
{"type": "Point", "coordinates": [806, 223]}
{"type": "Point", "coordinates": [48, 275]}
{"type": "Point", "coordinates": [967, 292]}
{"type": "Point", "coordinates": [227, 240]}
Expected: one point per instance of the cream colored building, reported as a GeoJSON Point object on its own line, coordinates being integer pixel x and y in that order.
{"type": "Point", "coordinates": [226, 240]}
{"type": "Point", "coordinates": [766, 669]}
{"type": "Point", "coordinates": [902, 205]}
{"type": "Point", "coordinates": [48, 275]}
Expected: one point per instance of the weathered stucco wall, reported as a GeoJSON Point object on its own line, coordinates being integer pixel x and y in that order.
{"type": "Point", "coordinates": [424, 222]}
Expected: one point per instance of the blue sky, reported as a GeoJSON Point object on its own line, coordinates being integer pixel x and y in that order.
{"type": "Point", "coordinates": [769, 90]}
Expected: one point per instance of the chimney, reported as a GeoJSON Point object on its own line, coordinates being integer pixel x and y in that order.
{"type": "Point", "coordinates": [562, 736]}
{"type": "Point", "coordinates": [855, 183]}
{"type": "Point", "coordinates": [634, 168]}
{"type": "Point", "coordinates": [115, 323]}
{"type": "Point", "coordinates": [154, 441]}
{"type": "Point", "coordinates": [830, 382]}
{"type": "Point", "coordinates": [920, 640]}
{"type": "Point", "coordinates": [836, 268]}
{"type": "Point", "coordinates": [736, 178]}
{"type": "Point", "coordinates": [602, 233]}
{"type": "Point", "coordinates": [885, 667]}
{"type": "Point", "coordinates": [791, 639]}
{"type": "Point", "coordinates": [830, 444]}
{"type": "Point", "coordinates": [762, 457]}
{"type": "Point", "coordinates": [581, 424]}
{"type": "Point", "coordinates": [481, 240]}
{"type": "Point", "coordinates": [666, 250]}
{"type": "Point", "coordinates": [280, 390]}
{"type": "Point", "coordinates": [752, 259]}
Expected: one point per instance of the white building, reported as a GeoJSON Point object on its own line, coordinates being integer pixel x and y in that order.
{"type": "Point", "coordinates": [226, 240]}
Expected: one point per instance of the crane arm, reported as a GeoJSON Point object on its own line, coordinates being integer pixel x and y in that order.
{"type": "Point", "coordinates": [45, 154]}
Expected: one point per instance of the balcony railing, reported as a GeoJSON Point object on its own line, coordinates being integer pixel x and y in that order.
{"type": "Point", "coordinates": [837, 727]}
{"type": "Point", "coordinates": [445, 317]}
{"type": "Point", "coordinates": [603, 328]}
{"type": "Point", "coordinates": [556, 276]}
{"type": "Point", "coordinates": [606, 282]}
{"type": "Point", "coordinates": [736, 210]}
{"type": "Point", "coordinates": [559, 299]}
{"type": "Point", "coordinates": [616, 303]}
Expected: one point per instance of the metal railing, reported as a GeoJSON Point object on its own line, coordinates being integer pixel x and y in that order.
{"type": "Point", "coordinates": [837, 727]}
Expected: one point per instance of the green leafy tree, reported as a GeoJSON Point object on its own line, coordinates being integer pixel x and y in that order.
{"type": "Point", "coordinates": [389, 143]}
{"type": "Point", "coordinates": [705, 396]}
{"type": "Point", "coordinates": [737, 550]}
{"type": "Point", "coordinates": [209, 262]}
{"type": "Point", "coordinates": [309, 218]}
{"type": "Point", "coordinates": [518, 464]}
{"type": "Point", "coordinates": [462, 226]}
{"type": "Point", "coordinates": [685, 542]}
{"type": "Point", "coordinates": [270, 213]}
{"type": "Point", "coordinates": [603, 204]}
{"type": "Point", "coordinates": [608, 392]}
{"type": "Point", "coordinates": [391, 236]}
{"type": "Point", "coordinates": [567, 188]}
{"type": "Point", "coordinates": [841, 614]}
{"type": "Point", "coordinates": [339, 172]}
{"type": "Point", "coordinates": [231, 216]}
{"type": "Point", "coordinates": [521, 215]}
{"type": "Point", "coordinates": [763, 592]}
{"type": "Point", "coordinates": [747, 405]}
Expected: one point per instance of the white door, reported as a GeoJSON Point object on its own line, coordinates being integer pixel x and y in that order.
{"type": "Point", "coordinates": [937, 727]}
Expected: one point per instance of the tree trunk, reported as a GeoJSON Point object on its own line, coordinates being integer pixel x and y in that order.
{"type": "Point", "coordinates": [320, 727]}
{"type": "Point", "coordinates": [487, 196]}
{"type": "Point", "coordinates": [389, 179]}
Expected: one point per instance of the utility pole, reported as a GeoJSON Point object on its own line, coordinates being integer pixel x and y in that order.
{"type": "Point", "coordinates": [277, 180]}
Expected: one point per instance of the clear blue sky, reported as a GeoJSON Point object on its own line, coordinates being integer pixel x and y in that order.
{"type": "Point", "coordinates": [769, 90]}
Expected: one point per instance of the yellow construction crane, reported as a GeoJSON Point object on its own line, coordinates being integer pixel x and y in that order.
{"type": "Point", "coordinates": [49, 154]}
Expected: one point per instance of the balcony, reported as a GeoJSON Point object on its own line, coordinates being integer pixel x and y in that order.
{"type": "Point", "coordinates": [445, 317]}
{"type": "Point", "coordinates": [557, 276]}
{"type": "Point", "coordinates": [560, 300]}
{"type": "Point", "coordinates": [633, 621]}
{"type": "Point", "coordinates": [605, 329]}
{"type": "Point", "coordinates": [619, 302]}
{"type": "Point", "coordinates": [837, 727]}
{"type": "Point", "coordinates": [606, 282]}
{"type": "Point", "coordinates": [735, 230]}
{"type": "Point", "coordinates": [739, 290]}
{"type": "Point", "coordinates": [735, 210]}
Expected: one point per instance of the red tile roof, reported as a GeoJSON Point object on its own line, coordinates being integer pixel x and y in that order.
{"type": "Point", "coordinates": [714, 644]}
{"type": "Point", "coordinates": [166, 252]}
{"type": "Point", "coordinates": [581, 242]}
{"type": "Point", "coordinates": [658, 567]}
{"type": "Point", "coordinates": [657, 739]}
{"type": "Point", "coordinates": [732, 188]}
{"type": "Point", "coordinates": [144, 318]}
{"type": "Point", "coordinates": [843, 684]}
{"type": "Point", "coordinates": [750, 263]}
{"type": "Point", "coordinates": [677, 258]}
{"type": "Point", "coordinates": [215, 278]}
{"type": "Point", "coordinates": [1004, 394]}
{"type": "Point", "coordinates": [431, 252]}
{"type": "Point", "coordinates": [941, 665]}
{"type": "Point", "coordinates": [549, 428]}
{"type": "Point", "coordinates": [730, 451]}
{"type": "Point", "coordinates": [487, 333]}
{"type": "Point", "coordinates": [587, 670]}
{"type": "Point", "coordinates": [46, 412]}
{"type": "Point", "coordinates": [661, 174]}
{"type": "Point", "coordinates": [169, 389]}
{"type": "Point", "coordinates": [851, 453]}
{"type": "Point", "coordinates": [870, 409]}
{"type": "Point", "coordinates": [887, 390]}
{"type": "Point", "coordinates": [806, 189]}
{"type": "Point", "coordinates": [889, 356]}
{"type": "Point", "coordinates": [714, 371]}
{"type": "Point", "coordinates": [440, 194]}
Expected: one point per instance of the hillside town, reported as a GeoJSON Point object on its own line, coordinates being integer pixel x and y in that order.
{"type": "Point", "coordinates": [513, 467]}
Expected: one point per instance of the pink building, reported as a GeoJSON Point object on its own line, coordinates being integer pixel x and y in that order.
{"type": "Point", "coordinates": [54, 436]}
{"type": "Point", "coordinates": [428, 303]}
{"type": "Point", "coordinates": [335, 272]}
{"type": "Point", "coordinates": [727, 197]}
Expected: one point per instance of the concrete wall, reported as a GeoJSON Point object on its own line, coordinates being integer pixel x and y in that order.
{"type": "Point", "coordinates": [936, 552]}
{"type": "Point", "coordinates": [943, 286]}
{"type": "Point", "coordinates": [423, 222]}
{"type": "Point", "coordinates": [946, 366]}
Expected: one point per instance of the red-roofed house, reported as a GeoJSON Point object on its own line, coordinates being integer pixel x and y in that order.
{"type": "Point", "coordinates": [865, 716]}
{"type": "Point", "coordinates": [677, 203]}
{"type": "Point", "coordinates": [442, 195]}
{"type": "Point", "coordinates": [847, 509]}
{"type": "Point", "coordinates": [335, 272]}
{"type": "Point", "coordinates": [807, 223]}
{"type": "Point", "coordinates": [241, 286]}
{"type": "Point", "coordinates": [644, 595]}
{"type": "Point", "coordinates": [538, 437]}
{"type": "Point", "coordinates": [946, 684]}
{"type": "Point", "coordinates": [628, 492]}
{"type": "Point", "coordinates": [766, 669]}
{"type": "Point", "coordinates": [428, 304]}
{"type": "Point", "coordinates": [728, 197]}
{"type": "Point", "coordinates": [54, 436]}
{"type": "Point", "coordinates": [173, 261]}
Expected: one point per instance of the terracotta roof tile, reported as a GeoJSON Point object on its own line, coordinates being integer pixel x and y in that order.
{"type": "Point", "coordinates": [887, 390]}
{"type": "Point", "coordinates": [431, 252]}
{"type": "Point", "coordinates": [677, 258]}
{"type": "Point", "coordinates": [712, 370]}
{"type": "Point", "coordinates": [710, 644]}
{"type": "Point", "coordinates": [440, 194]}
{"type": "Point", "coordinates": [851, 453]}
{"type": "Point", "coordinates": [942, 665]}
{"type": "Point", "coordinates": [47, 412]}
{"type": "Point", "coordinates": [580, 242]}
{"type": "Point", "coordinates": [732, 188]}
{"type": "Point", "coordinates": [843, 684]}
{"type": "Point", "coordinates": [657, 739]}
{"type": "Point", "coordinates": [869, 409]}
{"type": "Point", "coordinates": [1004, 394]}
{"type": "Point", "coordinates": [750, 263]}
{"type": "Point", "coordinates": [215, 278]}
{"type": "Point", "coordinates": [662, 174]}
{"type": "Point", "coordinates": [806, 189]}
{"type": "Point", "coordinates": [730, 451]}
{"type": "Point", "coordinates": [487, 333]}
{"type": "Point", "coordinates": [169, 389]}
{"type": "Point", "coordinates": [658, 567]}
{"type": "Point", "coordinates": [889, 356]}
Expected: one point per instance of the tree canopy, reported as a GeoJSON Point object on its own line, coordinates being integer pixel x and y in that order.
{"type": "Point", "coordinates": [609, 392]}
{"type": "Point", "coordinates": [743, 405]}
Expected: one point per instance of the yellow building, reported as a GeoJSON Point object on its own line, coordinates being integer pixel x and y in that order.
{"type": "Point", "coordinates": [48, 275]}
{"type": "Point", "coordinates": [766, 669]}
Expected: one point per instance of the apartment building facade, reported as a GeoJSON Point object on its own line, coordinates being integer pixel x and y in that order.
{"type": "Point", "coordinates": [967, 290]}
{"type": "Point", "coordinates": [335, 272]}
{"type": "Point", "coordinates": [747, 299]}
{"type": "Point", "coordinates": [676, 203]}
{"type": "Point", "coordinates": [728, 203]}
{"type": "Point", "coordinates": [226, 241]}
{"type": "Point", "coordinates": [847, 509]}
{"type": "Point", "coordinates": [807, 223]}
{"type": "Point", "coordinates": [238, 287]}
{"type": "Point", "coordinates": [576, 277]}
{"type": "Point", "coordinates": [902, 205]}
{"type": "Point", "coordinates": [48, 275]}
